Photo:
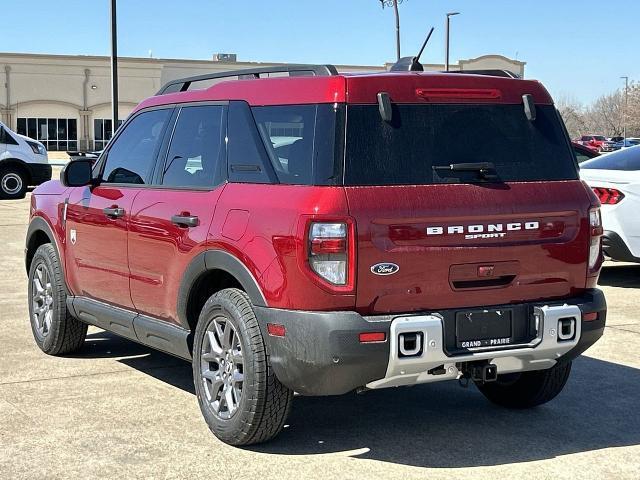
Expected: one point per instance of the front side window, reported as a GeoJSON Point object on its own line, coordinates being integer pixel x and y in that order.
{"type": "Point", "coordinates": [131, 158]}
{"type": "Point", "coordinates": [197, 146]}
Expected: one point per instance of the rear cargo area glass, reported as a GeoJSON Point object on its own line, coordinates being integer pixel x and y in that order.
{"type": "Point", "coordinates": [419, 137]}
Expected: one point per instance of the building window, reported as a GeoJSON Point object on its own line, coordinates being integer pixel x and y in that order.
{"type": "Point", "coordinates": [102, 132]}
{"type": "Point", "coordinates": [55, 133]}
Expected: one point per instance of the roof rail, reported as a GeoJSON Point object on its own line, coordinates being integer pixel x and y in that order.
{"type": "Point", "coordinates": [183, 84]}
{"type": "Point", "coordinates": [490, 73]}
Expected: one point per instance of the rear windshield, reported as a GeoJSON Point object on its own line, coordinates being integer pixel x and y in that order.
{"type": "Point", "coordinates": [626, 159]}
{"type": "Point", "coordinates": [421, 137]}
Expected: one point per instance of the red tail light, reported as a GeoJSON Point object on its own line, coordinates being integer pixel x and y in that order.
{"type": "Point", "coordinates": [608, 196]}
{"type": "Point", "coordinates": [331, 253]}
{"type": "Point", "coordinates": [595, 248]}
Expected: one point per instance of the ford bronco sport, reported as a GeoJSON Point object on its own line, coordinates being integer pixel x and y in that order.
{"type": "Point", "coordinates": [322, 233]}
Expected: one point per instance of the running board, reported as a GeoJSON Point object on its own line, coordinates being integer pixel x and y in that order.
{"type": "Point", "coordinates": [146, 330]}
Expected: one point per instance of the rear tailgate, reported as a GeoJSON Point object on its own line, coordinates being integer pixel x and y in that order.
{"type": "Point", "coordinates": [514, 230]}
{"type": "Point", "coordinates": [469, 245]}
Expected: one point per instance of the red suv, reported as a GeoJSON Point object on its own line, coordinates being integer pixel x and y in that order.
{"type": "Point", "coordinates": [323, 233]}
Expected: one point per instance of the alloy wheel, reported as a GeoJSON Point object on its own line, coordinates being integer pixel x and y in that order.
{"type": "Point", "coordinates": [222, 367]}
{"type": "Point", "coordinates": [42, 300]}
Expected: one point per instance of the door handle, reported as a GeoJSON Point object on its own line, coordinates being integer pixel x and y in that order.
{"type": "Point", "coordinates": [185, 220]}
{"type": "Point", "coordinates": [113, 212]}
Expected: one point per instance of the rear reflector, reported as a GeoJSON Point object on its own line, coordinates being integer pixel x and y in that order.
{"type": "Point", "coordinates": [608, 196]}
{"type": "Point", "coordinates": [456, 93]}
{"type": "Point", "coordinates": [321, 246]}
{"type": "Point", "coordinates": [276, 330]}
{"type": "Point", "coordinates": [371, 337]}
{"type": "Point", "coordinates": [590, 317]}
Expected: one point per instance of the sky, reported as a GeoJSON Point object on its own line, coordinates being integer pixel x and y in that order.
{"type": "Point", "coordinates": [577, 48]}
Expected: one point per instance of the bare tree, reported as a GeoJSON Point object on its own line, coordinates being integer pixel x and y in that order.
{"type": "Point", "coordinates": [573, 114]}
{"type": "Point", "coordinates": [604, 116]}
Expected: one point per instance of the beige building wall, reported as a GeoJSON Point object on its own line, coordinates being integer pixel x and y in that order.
{"type": "Point", "coordinates": [79, 87]}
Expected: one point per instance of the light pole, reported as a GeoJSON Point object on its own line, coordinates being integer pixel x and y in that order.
{"type": "Point", "coordinates": [624, 111]}
{"type": "Point", "coordinates": [446, 45]}
{"type": "Point", "coordinates": [394, 4]}
{"type": "Point", "coordinates": [114, 67]}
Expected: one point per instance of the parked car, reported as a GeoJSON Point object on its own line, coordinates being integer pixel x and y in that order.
{"type": "Point", "coordinates": [583, 153]}
{"type": "Point", "coordinates": [23, 163]}
{"type": "Point", "coordinates": [616, 139]}
{"type": "Point", "coordinates": [250, 228]}
{"type": "Point", "coordinates": [598, 142]}
{"type": "Point", "coordinates": [629, 142]}
{"type": "Point", "coordinates": [615, 178]}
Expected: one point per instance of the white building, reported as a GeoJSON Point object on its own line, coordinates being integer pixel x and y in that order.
{"type": "Point", "coordinates": [64, 100]}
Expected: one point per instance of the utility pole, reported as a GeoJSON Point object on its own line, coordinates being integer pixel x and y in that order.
{"type": "Point", "coordinates": [446, 43]}
{"type": "Point", "coordinates": [114, 67]}
{"type": "Point", "coordinates": [624, 111]}
{"type": "Point", "coordinates": [394, 4]}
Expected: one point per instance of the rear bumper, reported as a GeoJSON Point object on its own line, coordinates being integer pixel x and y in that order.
{"type": "Point", "coordinates": [321, 354]}
{"type": "Point", "coordinates": [39, 172]}
{"type": "Point", "coordinates": [614, 247]}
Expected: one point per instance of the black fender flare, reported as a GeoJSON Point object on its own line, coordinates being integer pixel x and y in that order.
{"type": "Point", "coordinates": [216, 260]}
{"type": "Point", "coordinates": [39, 224]}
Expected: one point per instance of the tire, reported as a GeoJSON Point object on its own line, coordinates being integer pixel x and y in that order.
{"type": "Point", "coordinates": [527, 389]}
{"type": "Point", "coordinates": [54, 329]}
{"type": "Point", "coordinates": [13, 183]}
{"type": "Point", "coordinates": [240, 397]}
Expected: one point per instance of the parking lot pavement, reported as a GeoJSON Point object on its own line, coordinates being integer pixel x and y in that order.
{"type": "Point", "coordinates": [120, 410]}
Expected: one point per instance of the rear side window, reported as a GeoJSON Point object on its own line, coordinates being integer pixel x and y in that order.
{"type": "Point", "coordinates": [421, 137]}
{"type": "Point", "coordinates": [131, 157]}
{"type": "Point", "coordinates": [625, 159]}
{"type": "Point", "coordinates": [302, 142]}
{"type": "Point", "coordinates": [197, 147]}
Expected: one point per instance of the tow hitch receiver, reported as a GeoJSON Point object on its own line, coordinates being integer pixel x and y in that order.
{"type": "Point", "coordinates": [482, 372]}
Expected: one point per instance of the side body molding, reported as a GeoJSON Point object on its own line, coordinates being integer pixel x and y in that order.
{"type": "Point", "coordinates": [216, 260]}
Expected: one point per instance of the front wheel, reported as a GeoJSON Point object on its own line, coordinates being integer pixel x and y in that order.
{"type": "Point", "coordinates": [527, 389]}
{"type": "Point", "coordinates": [54, 329]}
{"type": "Point", "coordinates": [13, 183]}
{"type": "Point", "coordinates": [240, 397]}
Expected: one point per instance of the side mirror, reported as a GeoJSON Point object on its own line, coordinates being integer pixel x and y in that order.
{"type": "Point", "coordinates": [77, 173]}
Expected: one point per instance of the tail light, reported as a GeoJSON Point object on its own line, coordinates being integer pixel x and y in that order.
{"type": "Point", "coordinates": [608, 196]}
{"type": "Point", "coordinates": [595, 249]}
{"type": "Point", "coordinates": [330, 252]}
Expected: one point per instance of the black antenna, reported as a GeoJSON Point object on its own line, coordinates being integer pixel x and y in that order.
{"type": "Point", "coordinates": [424, 44]}
{"type": "Point", "coordinates": [412, 64]}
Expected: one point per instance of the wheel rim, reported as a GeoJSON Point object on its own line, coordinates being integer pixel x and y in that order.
{"type": "Point", "coordinates": [11, 183]}
{"type": "Point", "coordinates": [222, 367]}
{"type": "Point", "coordinates": [42, 300]}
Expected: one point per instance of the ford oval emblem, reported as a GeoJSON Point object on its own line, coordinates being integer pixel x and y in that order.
{"type": "Point", "coordinates": [385, 268]}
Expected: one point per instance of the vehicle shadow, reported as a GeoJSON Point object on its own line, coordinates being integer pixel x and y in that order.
{"type": "Point", "coordinates": [438, 425]}
{"type": "Point", "coordinates": [625, 276]}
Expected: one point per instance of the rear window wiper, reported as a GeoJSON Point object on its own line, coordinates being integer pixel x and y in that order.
{"type": "Point", "coordinates": [486, 170]}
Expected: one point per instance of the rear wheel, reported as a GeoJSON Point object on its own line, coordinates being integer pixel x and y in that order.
{"type": "Point", "coordinates": [527, 389]}
{"type": "Point", "coordinates": [54, 329]}
{"type": "Point", "coordinates": [13, 183]}
{"type": "Point", "coordinates": [240, 398]}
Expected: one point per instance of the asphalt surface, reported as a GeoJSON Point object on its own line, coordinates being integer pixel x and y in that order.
{"type": "Point", "coordinates": [120, 410]}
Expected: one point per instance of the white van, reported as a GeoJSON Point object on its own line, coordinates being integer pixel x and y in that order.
{"type": "Point", "coordinates": [23, 162]}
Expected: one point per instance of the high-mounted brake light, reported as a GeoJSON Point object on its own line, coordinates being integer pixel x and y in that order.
{"type": "Point", "coordinates": [608, 196]}
{"type": "Point", "coordinates": [459, 93]}
{"type": "Point", "coordinates": [328, 251]}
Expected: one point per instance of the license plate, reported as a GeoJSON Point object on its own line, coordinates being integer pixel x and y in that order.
{"type": "Point", "coordinates": [483, 328]}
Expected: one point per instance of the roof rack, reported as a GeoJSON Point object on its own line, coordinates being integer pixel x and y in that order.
{"type": "Point", "coordinates": [183, 84]}
{"type": "Point", "coordinates": [490, 73]}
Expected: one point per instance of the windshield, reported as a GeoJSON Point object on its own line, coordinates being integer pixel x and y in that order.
{"type": "Point", "coordinates": [600, 138]}
{"type": "Point", "coordinates": [421, 137]}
